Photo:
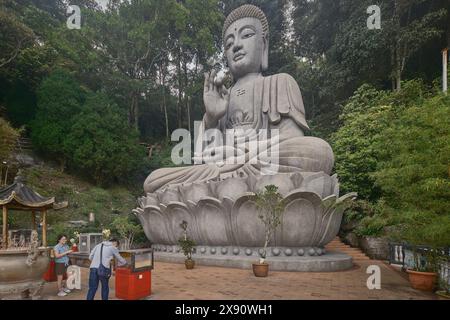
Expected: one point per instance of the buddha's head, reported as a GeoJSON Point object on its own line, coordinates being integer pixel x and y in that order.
{"type": "Point", "coordinates": [246, 41]}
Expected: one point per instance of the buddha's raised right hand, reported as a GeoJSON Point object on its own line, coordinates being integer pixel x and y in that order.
{"type": "Point", "coordinates": [216, 98]}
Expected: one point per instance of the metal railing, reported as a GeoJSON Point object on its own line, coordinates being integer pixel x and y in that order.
{"type": "Point", "coordinates": [402, 254]}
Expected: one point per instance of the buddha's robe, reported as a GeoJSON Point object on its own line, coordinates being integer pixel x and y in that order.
{"type": "Point", "coordinates": [277, 104]}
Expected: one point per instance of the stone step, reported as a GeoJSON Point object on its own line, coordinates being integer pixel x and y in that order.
{"type": "Point", "coordinates": [337, 245]}
{"type": "Point", "coordinates": [348, 252]}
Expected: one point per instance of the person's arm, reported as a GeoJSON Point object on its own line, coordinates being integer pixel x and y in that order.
{"type": "Point", "coordinates": [91, 255]}
{"type": "Point", "coordinates": [120, 260]}
{"type": "Point", "coordinates": [60, 255]}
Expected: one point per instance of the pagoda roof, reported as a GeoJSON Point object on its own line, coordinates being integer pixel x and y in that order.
{"type": "Point", "coordinates": [20, 196]}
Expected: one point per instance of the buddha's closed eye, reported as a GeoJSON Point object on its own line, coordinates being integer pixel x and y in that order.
{"type": "Point", "coordinates": [248, 35]}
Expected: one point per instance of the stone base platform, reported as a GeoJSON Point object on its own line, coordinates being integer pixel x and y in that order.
{"type": "Point", "coordinates": [331, 261]}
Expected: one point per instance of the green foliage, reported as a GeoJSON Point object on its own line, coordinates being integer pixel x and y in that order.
{"type": "Point", "coordinates": [394, 147]}
{"type": "Point", "coordinates": [8, 139]}
{"type": "Point", "coordinates": [421, 228]}
{"type": "Point", "coordinates": [364, 117]}
{"type": "Point", "coordinates": [360, 142]}
{"type": "Point", "coordinates": [332, 36]}
{"type": "Point", "coordinates": [101, 143]}
{"type": "Point", "coordinates": [83, 198]}
{"type": "Point", "coordinates": [126, 228]}
{"type": "Point", "coordinates": [271, 206]}
{"type": "Point", "coordinates": [372, 226]}
{"type": "Point", "coordinates": [414, 170]}
{"type": "Point", "coordinates": [60, 98]}
{"type": "Point", "coordinates": [424, 228]}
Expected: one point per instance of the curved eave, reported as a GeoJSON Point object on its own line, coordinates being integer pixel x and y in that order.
{"type": "Point", "coordinates": [14, 200]}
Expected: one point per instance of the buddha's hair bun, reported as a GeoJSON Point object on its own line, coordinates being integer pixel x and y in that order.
{"type": "Point", "coordinates": [246, 11]}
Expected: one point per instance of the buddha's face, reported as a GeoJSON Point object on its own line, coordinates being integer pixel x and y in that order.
{"type": "Point", "coordinates": [245, 47]}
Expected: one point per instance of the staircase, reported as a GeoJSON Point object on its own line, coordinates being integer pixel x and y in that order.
{"type": "Point", "coordinates": [24, 144]}
{"type": "Point", "coordinates": [337, 245]}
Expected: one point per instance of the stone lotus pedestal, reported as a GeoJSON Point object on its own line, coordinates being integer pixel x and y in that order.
{"type": "Point", "coordinates": [223, 221]}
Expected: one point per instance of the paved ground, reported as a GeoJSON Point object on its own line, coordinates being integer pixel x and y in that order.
{"type": "Point", "coordinates": [173, 281]}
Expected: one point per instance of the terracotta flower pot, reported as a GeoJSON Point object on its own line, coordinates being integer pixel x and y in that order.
{"type": "Point", "coordinates": [260, 269]}
{"type": "Point", "coordinates": [424, 281]}
{"type": "Point", "coordinates": [189, 263]}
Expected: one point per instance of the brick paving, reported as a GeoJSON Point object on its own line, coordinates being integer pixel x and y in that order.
{"type": "Point", "coordinates": [173, 281]}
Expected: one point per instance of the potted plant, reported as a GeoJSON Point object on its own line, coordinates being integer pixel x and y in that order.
{"type": "Point", "coordinates": [271, 206]}
{"type": "Point", "coordinates": [126, 229]}
{"type": "Point", "coordinates": [187, 245]}
{"type": "Point", "coordinates": [426, 234]}
{"type": "Point", "coordinates": [423, 274]}
{"type": "Point", "coordinates": [75, 240]}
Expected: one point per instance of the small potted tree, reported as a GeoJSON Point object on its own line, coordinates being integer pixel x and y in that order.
{"type": "Point", "coordinates": [187, 245]}
{"type": "Point", "coordinates": [75, 240]}
{"type": "Point", "coordinates": [271, 206]}
{"type": "Point", "coordinates": [126, 229]}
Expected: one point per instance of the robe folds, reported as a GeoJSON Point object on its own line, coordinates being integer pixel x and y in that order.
{"type": "Point", "coordinates": [277, 104]}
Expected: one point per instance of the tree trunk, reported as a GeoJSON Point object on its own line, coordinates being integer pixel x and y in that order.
{"type": "Point", "coordinates": [186, 97]}
{"type": "Point", "coordinates": [164, 105]}
{"type": "Point", "coordinates": [180, 85]}
{"type": "Point", "coordinates": [166, 117]}
{"type": "Point", "coordinates": [189, 114]}
{"type": "Point", "coordinates": [133, 116]}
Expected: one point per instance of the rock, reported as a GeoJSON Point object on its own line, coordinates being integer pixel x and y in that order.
{"type": "Point", "coordinates": [351, 239]}
{"type": "Point", "coordinates": [375, 247]}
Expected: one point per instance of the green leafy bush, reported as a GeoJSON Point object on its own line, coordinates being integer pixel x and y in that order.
{"type": "Point", "coordinates": [60, 98]}
{"type": "Point", "coordinates": [364, 117]}
{"type": "Point", "coordinates": [127, 229]}
{"type": "Point", "coordinates": [393, 149]}
{"type": "Point", "coordinates": [101, 143]}
{"type": "Point", "coordinates": [413, 171]}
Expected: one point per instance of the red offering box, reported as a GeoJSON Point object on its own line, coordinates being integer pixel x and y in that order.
{"type": "Point", "coordinates": [133, 285]}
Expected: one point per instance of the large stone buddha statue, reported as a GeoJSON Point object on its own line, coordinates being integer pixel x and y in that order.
{"type": "Point", "coordinates": [253, 103]}
{"type": "Point", "coordinates": [216, 195]}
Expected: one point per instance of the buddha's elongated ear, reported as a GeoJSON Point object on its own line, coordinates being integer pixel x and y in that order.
{"type": "Point", "coordinates": [265, 54]}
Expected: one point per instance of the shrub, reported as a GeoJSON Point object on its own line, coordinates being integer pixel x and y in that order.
{"type": "Point", "coordinates": [413, 171]}
{"type": "Point", "coordinates": [101, 143]}
{"type": "Point", "coordinates": [60, 98]}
